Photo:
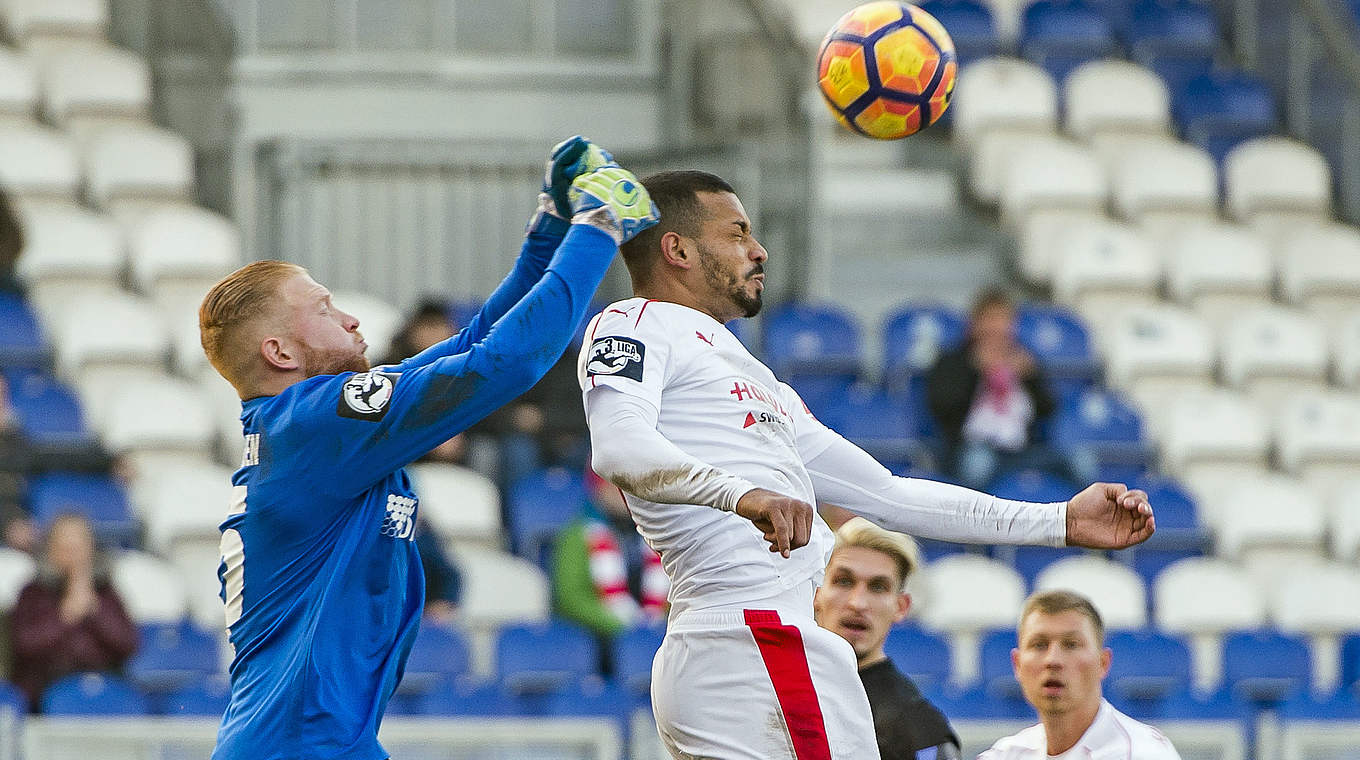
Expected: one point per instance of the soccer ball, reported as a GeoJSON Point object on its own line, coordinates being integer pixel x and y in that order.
{"type": "Point", "coordinates": [886, 70]}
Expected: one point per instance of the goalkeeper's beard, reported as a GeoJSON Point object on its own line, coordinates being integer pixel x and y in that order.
{"type": "Point", "coordinates": [333, 362]}
{"type": "Point", "coordinates": [729, 284]}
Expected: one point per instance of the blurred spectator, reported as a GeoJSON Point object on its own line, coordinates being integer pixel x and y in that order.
{"type": "Point", "coordinates": [11, 244]}
{"type": "Point", "coordinates": [990, 400]}
{"type": "Point", "coordinates": [17, 529]}
{"type": "Point", "coordinates": [69, 619]}
{"type": "Point", "coordinates": [605, 576]}
{"type": "Point", "coordinates": [428, 324]}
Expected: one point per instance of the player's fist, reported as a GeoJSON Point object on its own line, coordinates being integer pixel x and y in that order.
{"type": "Point", "coordinates": [1109, 516]}
{"type": "Point", "coordinates": [785, 521]}
{"type": "Point", "coordinates": [570, 159]}
{"type": "Point", "coordinates": [611, 199]}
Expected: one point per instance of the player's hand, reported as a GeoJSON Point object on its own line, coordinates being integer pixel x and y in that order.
{"type": "Point", "coordinates": [611, 199]}
{"type": "Point", "coordinates": [1109, 516]}
{"type": "Point", "coordinates": [570, 159]}
{"type": "Point", "coordinates": [785, 521]}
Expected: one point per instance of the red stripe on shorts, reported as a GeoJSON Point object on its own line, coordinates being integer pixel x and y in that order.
{"type": "Point", "coordinates": [781, 647]}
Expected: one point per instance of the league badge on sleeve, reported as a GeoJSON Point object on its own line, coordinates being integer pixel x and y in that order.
{"type": "Point", "coordinates": [365, 396]}
{"type": "Point", "coordinates": [616, 356]}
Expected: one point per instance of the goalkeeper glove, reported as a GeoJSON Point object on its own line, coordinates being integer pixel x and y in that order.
{"type": "Point", "coordinates": [570, 159]}
{"type": "Point", "coordinates": [613, 201]}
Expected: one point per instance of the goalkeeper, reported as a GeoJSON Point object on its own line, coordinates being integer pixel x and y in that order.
{"type": "Point", "coordinates": [320, 575]}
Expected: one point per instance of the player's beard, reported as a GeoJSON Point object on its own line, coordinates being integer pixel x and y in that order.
{"type": "Point", "coordinates": [729, 284]}
{"type": "Point", "coordinates": [319, 362]}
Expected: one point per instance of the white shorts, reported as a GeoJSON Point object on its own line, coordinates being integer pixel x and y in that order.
{"type": "Point", "coordinates": [760, 683]}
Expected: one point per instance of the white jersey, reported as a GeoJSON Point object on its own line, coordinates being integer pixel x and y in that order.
{"type": "Point", "coordinates": [722, 406]}
{"type": "Point", "coordinates": [1111, 736]}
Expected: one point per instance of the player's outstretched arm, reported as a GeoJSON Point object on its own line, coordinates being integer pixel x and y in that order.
{"type": "Point", "coordinates": [1109, 516]}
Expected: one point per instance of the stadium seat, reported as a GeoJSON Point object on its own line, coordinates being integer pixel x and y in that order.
{"type": "Point", "coordinates": [461, 504]}
{"type": "Point", "coordinates": [1219, 270]}
{"type": "Point", "coordinates": [93, 694]}
{"type": "Point", "coordinates": [1320, 600]}
{"type": "Point", "coordinates": [129, 162]}
{"type": "Point", "coordinates": [1101, 266]}
{"type": "Point", "coordinates": [88, 87]}
{"type": "Point", "coordinates": [24, 20]}
{"type": "Point", "coordinates": [593, 697]}
{"type": "Point", "coordinates": [882, 424]}
{"type": "Point", "coordinates": [1175, 68]}
{"type": "Point", "coordinates": [1319, 268]}
{"type": "Point", "coordinates": [544, 657]}
{"type": "Point", "coordinates": [1212, 431]}
{"type": "Point", "coordinates": [157, 415]}
{"type": "Point", "coordinates": [176, 253]}
{"type": "Point", "coordinates": [1154, 352]}
{"type": "Point", "coordinates": [1268, 522]}
{"type": "Point", "coordinates": [1060, 35]}
{"type": "Point", "coordinates": [1038, 235]}
{"type": "Point", "coordinates": [923, 656]}
{"type": "Point", "coordinates": [440, 654]}
{"type": "Point", "coordinates": [66, 246]}
{"type": "Point", "coordinates": [172, 655]}
{"type": "Point", "coordinates": [1272, 353]}
{"type": "Point", "coordinates": [22, 343]}
{"type": "Point", "coordinates": [964, 594]}
{"type": "Point", "coordinates": [1033, 485]}
{"type": "Point", "coordinates": [51, 417]}
{"type": "Point", "coordinates": [539, 505]}
{"type": "Point", "coordinates": [151, 590]}
{"type": "Point", "coordinates": [466, 697]}
{"type": "Point", "coordinates": [1346, 350]}
{"type": "Point", "coordinates": [1253, 192]}
{"type": "Point", "coordinates": [1180, 532]}
{"type": "Point", "coordinates": [501, 588]}
{"type": "Point", "coordinates": [1146, 664]}
{"type": "Point", "coordinates": [38, 164]}
{"type": "Point", "coordinates": [1104, 424]}
{"type": "Point", "coordinates": [914, 336]}
{"type": "Point", "coordinates": [1114, 96]}
{"type": "Point", "coordinates": [1164, 185]}
{"type": "Point", "coordinates": [1000, 103]}
{"type": "Point", "coordinates": [1317, 438]}
{"type": "Point", "coordinates": [632, 653]}
{"type": "Point", "coordinates": [1221, 109]}
{"type": "Point", "coordinates": [115, 331]}
{"type": "Point", "coordinates": [1204, 598]}
{"type": "Point", "coordinates": [1029, 561]}
{"type": "Point", "coordinates": [1051, 174]}
{"type": "Point", "coordinates": [18, 88]}
{"type": "Point", "coordinates": [1057, 338]}
{"type": "Point", "coordinates": [1178, 27]}
{"type": "Point", "coordinates": [180, 499]}
{"type": "Point", "coordinates": [16, 570]}
{"type": "Point", "coordinates": [996, 674]}
{"type": "Point", "coordinates": [971, 26]}
{"type": "Point", "coordinates": [812, 338]}
{"type": "Point", "coordinates": [1115, 590]}
{"type": "Point", "coordinates": [99, 498]}
{"type": "Point", "coordinates": [1343, 508]}
{"type": "Point", "coordinates": [1266, 666]}
{"type": "Point", "coordinates": [207, 697]}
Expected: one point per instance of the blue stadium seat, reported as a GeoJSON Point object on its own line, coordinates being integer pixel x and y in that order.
{"type": "Point", "coordinates": [172, 655]}
{"type": "Point", "coordinates": [1185, 704]}
{"type": "Point", "coordinates": [21, 339]}
{"type": "Point", "coordinates": [1033, 485]}
{"type": "Point", "coordinates": [93, 694]}
{"type": "Point", "coordinates": [594, 697]}
{"type": "Point", "coordinates": [1341, 705]}
{"type": "Point", "coordinates": [996, 674]}
{"type": "Point", "coordinates": [1175, 69]}
{"type": "Point", "coordinates": [539, 504]}
{"type": "Point", "coordinates": [812, 339]}
{"type": "Point", "coordinates": [1104, 424]}
{"type": "Point", "coordinates": [1350, 661]}
{"type": "Point", "coordinates": [1147, 665]}
{"type": "Point", "coordinates": [921, 655]}
{"type": "Point", "coordinates": [1029, 561]}
{"type": "Point", "coordinates": [913, 337]}
{"type": "Point", "coordinates": [1149, 562]}
{"type": "Point", "coordinates": [439, 654]}
{"type": "Point", "coordinates": [1218, 110]}
{"type": "Point", "coordinates": [633, 652]}
{"type": "Point", "coordinates": [205, 696]}
{"type": "Point", "coordinates": [880, 423]}
{"type": "Point", "coordinates": [970, 26]}
{"type": "Point", "coordinates": [99, 497]}
{"type": "Point", "coordinates": [12, 700]}
{"type": "Point", "coordinates": [1058, 339]}
{"type": "Point", "coordinates": [821, 390]}
{"type": "Point", "coordinates": [463, 696]}
{"type": "Point", "coordinates": [543, 658]}
{"type": "Point", "coordinates": [1178, 523]}
{"type": "Point", "coordinates": [1173, 27]}
{"type": "Point", "coordinates": [49, 413]}
{"type": "Point", "coordinates": [976, 703]}
{"type": "Point", "coordinates": [1060, 35]}
{"type": "Point", "coordinates": [1266, 666]}
{"type": "Point", "coordinates": [932, 549]}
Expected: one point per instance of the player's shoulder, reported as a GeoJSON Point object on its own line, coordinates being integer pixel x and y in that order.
{"type": "Point", "coordinates": [1024, 744]}
{"type": "Point", "coordinates": [1146, 741]}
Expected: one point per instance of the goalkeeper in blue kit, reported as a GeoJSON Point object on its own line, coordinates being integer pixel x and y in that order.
{"type": "Point", "coordinates": [320, 575]}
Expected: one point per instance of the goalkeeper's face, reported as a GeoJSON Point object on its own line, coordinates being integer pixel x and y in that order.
{"type": "Point", "coordinates": [327, 339]}
{"type": "Point", "coordinates": [730, 257]}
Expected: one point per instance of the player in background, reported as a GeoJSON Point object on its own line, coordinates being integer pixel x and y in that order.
{"type": "Point", "coordinates": [863, 595]}
{"type": "Point", "coordinates": [721, 464]}
{"type": "Point", "coordinates": [1060, 663]}
{"type": "Point", "coordinates": [320, 574]}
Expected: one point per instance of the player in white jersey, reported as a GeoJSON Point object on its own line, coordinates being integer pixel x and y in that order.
{"type": "Point", "coordinates": [720, 464]}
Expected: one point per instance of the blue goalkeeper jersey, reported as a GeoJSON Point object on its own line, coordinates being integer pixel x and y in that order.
{"type": "Point", "coordinates": [320, 574]}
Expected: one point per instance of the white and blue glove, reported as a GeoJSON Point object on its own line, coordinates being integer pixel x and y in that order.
{"type": "Point", "coordinates": [612, 200]}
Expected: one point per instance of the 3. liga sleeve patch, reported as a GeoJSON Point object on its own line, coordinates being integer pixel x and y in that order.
{"type": "Point", "coordinates": [616, 356]}
{"type": "Point", "coordinates": [366, 395]}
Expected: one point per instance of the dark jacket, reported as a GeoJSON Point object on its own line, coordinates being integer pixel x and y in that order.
{"type": "Point", "coordinates": [904, 721]}
{"type": "Point", "coordinates": [952, 384]}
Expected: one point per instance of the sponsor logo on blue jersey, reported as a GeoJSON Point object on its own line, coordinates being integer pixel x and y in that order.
{"type": "Point", "coordinates": [400, 520]}
{"type": "Point", "coordinates": [365, 396]}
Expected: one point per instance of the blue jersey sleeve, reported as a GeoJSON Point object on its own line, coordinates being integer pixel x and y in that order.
{"type": "Point", "coordinates": [368, 424]}
{"type": "Point", "coordinates": [542, 239]}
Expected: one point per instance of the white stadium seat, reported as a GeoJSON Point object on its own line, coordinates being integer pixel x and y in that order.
{"type": "Point", "coordinates": [129, 162]}
{"type": "Point", "coordinates": [1322, 601]}
{"type": "Point", "coordinates": [1052, 174]}
{"type": "Point", "coordinates": [1204, 598]}
{"type": "Point", "coordinates": [1115, 96]}
{"type": "Point", "coordinates": [1346, 349]}
{"type": "Point", "coordinates": [1272, 353]}
{"type": "Point", "coordinates": [1115, 589]}
{"type": "Point", "coordinates": [120, 329]}
{"type": "Point", "coordinates": [1102, 265]}
{"type": "Point", "coordinates": [1319, 268]}
{"type": "Point", "coordinates": [461, 504]}
{"type": "Point", "coordinates": [378, 319]}
{"type": "Point", "coordinates": [18, 87]}
{"type": "Point", "coordinates": [165, 415]}
{"type": "Point", "coordinates": [151, 589]}
{"type": "Point", "coordinates": [177, 252]}
{"type": "Point", "coordinates": [1317, 437]}
{"type": "Point", "coordinates": [66, 245]}
{"type": "Point", "coordinates": [965, 594]}
{"type": "Point", "coordinates": [179, 499]}
{"type": "Point", "coordinates": [1343, 520]}
{"type": "Point", "coordinates": [1254, 193]}
{"type": "Point", "coordinates": [17, 568]}
{"type": "Point", "coordinates": [1211, 431]}
{"type": "Point", "coordinates": [93, 86]}
{"type": "Point", "coordinates": [1038, 236]}
{"type": "Point", "coordinates": [500, 588]}
{"type": "Point", "coordinates": [38, 163]}
{"type": "Point", "coordinates": [1154, 352]}
{"type": "Point", "coordinates": [1219, 269]}
{"type": "Point", "coordinates": [1165, 184]}
{"type": "Point", "coordinates": [1265, 520]}
{"type": "Point", "coordinates": [24, 19]}
{"type": "Point", "coordinates": [1006, 94]}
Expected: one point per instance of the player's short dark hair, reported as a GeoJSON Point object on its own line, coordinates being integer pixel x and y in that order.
{"type": "Point", "coordinates": [676, 195]}
{"type": "Point", "coordinates": [1058, 601]}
